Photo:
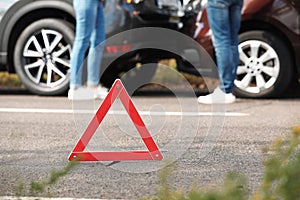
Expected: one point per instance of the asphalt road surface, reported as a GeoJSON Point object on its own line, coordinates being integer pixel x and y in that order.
{"type": "Point", "coordinates": [39, 133]}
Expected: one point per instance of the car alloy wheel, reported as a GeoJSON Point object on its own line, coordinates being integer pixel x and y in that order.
{"type": "Point", "coordinates": [259, 66]}
{"type": "Point", "coordinates": [42, 56]}
{"type": "Point", "coordinates": [266, 68]}
{"type": "Point", "coordinates": [46, 53]}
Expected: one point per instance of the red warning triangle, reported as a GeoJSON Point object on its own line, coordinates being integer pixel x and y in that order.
{"type": "Point", "coordinates": [117, 90]}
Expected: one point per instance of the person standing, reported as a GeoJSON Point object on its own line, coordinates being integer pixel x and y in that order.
{"type": "Point", "coordinates": [224, 17]}
{"type": "Point", "coordinates": [90, 33]}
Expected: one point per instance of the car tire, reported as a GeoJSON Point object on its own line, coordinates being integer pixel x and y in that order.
{"type": "Point", "coordinates": [42, 56]}
{"type": "Point", "coordinates": [265, 68]}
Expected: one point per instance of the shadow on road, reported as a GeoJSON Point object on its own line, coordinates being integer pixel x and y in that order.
{"type": "Point", "coordinates": [13, 91]}
{"type": "Point", "coordinates": [293, 92]}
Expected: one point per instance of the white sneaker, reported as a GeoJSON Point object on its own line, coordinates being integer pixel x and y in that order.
{"type": "Point", "coordinates": [81, 93]}
{"type": "Point", "coordinates": [217, 97]}
{"type": "Point", "coordinates": [101, 92]}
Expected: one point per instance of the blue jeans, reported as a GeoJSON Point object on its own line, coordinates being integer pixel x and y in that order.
{"type": "Point", "coordinates": [224, 17]}
{"type": "Point", "coordinates": [90, 32]}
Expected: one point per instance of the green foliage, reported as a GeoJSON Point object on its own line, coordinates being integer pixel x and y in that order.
{"type": "Point", "coordinates": [233, 188]}
{"type": "Point", "coordinates": [282, 170]}
{"type": "Point", "coordinates": [168, 75]}
{"type": "Point", "coordinates": [20, 189]}
{"type": "Point", "coordinates": [37, 187]}
{"type": "Point", "coordinates": [40, 187]}
{"type": "Point", "coordinates": [281, 178]}
{"type": "Point", "coordinates": [9, 80]}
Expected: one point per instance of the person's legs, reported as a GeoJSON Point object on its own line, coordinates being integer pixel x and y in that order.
{"type": "Point", "coordinates": [85, 19]}
{"type": "Point", "coordinates": [219, 17]}
{"type": "Point", "coordinates": [219, 20]}
{"type": "Point", "coordinates": [95, 51]}
{"type": "Point", "coordinates": [235, 21]}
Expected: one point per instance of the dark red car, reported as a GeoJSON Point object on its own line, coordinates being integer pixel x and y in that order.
{"type": "Point", "coordinates": [269, 46]}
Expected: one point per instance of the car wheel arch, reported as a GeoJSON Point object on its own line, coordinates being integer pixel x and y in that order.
{"type": "Point", "coordinates": [277, 80]}
{"type": "Point", "coordinates": [258, 25]}
{"type": "Point", "coordinates": [54, 57]}
{"type": "Point", "coordinates": [23, 17]}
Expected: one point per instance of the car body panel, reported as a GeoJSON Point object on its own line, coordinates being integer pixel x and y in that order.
{"type": "Point", "coordinates": [119, 16]}
{"type": "Point", "coordinates": [4, 6]}
{"type": "Point", "coordinates": [17, 11]}
{"type": "Point", "coordinates": [282, 15]}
